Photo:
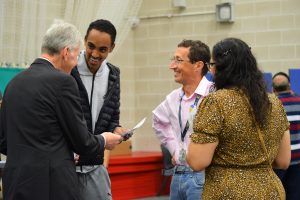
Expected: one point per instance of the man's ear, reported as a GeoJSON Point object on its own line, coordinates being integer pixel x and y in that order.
{"type": "Point", "coordinates": [85, 43]}
{"type": "Point", "coordinates": [199, 66]}
{"type": "Point", "coordinates": [112, 48]}
{"type": "Point", "coordinates": [64, 52]}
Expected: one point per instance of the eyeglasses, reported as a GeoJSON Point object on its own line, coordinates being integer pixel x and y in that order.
{"type": "Point", "coordinates": [178, 61]}
{"type": "Point", "coordinates": [210, 65]}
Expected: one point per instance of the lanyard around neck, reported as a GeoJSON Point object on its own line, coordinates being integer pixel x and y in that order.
{"type": "Point", "coordinates": [187, 124]}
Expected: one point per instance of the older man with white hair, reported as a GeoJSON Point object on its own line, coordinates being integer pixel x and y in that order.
{"type": "Point", "coordinates": [42, 123]}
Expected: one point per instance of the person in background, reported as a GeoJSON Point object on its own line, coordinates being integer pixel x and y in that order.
{"type": "Point", "coordinates": [173, 118]}
{"type": "Point", "coordinates": [291, 177]}
{"type": "Point", "coordinates": [240, 131]}
{"type": "Point", "coordinates": [99, 87]}
{"type": "Point", "coordinates": [42, 123]}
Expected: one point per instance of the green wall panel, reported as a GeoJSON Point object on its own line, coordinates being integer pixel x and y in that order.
{"type": "Point", "coordinates": [6, 74]}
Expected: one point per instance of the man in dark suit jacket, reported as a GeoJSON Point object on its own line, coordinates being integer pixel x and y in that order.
{"type": "Point", "coordinates": [42, 124]}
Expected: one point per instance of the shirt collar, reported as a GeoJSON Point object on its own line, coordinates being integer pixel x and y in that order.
{"type": "Point", "coordinates": [202, 87]}
{"type": "Point", "coordinates": [201, 90]}
{"type": "Point", "coordinates": [48, 61]}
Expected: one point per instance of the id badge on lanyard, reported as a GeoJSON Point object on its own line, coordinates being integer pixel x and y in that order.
{"type": "Point", "coordinates": [182, 152]}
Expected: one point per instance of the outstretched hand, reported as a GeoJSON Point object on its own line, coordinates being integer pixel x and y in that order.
{"type": "Point", "coordinates": [111, 140]}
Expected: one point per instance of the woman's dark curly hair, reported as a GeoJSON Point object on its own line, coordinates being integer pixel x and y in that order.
{"type": "Point", "coordinates": [237, 67]}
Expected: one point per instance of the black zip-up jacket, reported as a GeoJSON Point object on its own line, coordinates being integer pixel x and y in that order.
{"type": "Point", "coordinates": [109, 115]}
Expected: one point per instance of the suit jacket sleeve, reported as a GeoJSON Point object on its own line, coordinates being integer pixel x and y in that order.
{"type": "Point", "coordinates": [72, 121]}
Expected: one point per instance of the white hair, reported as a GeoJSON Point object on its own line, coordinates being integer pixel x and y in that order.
{"type": "Point", "coordinates": [60, 35]}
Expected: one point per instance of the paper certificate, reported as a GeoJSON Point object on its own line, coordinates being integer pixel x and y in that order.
{"type": "Point", "coordinates": [129, 133]}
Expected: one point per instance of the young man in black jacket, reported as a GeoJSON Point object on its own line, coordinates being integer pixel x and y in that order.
{"type": "Point", "coordinates": [99, 87]}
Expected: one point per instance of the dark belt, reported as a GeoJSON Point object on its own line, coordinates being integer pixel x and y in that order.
{"type": "Point", "coordinates": [181, 169]}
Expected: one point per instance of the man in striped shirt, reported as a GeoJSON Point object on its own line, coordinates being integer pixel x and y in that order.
{"type": "Point", "coordinates": [291, 177]}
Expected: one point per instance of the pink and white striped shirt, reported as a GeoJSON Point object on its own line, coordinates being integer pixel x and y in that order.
{"type": "Point", "coordinates": [166, 117]}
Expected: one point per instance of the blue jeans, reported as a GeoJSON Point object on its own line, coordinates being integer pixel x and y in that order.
{"type": "Point", "coordinates": [290, 179]}
{"type": "Point", "coordinates": [187, 185]}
